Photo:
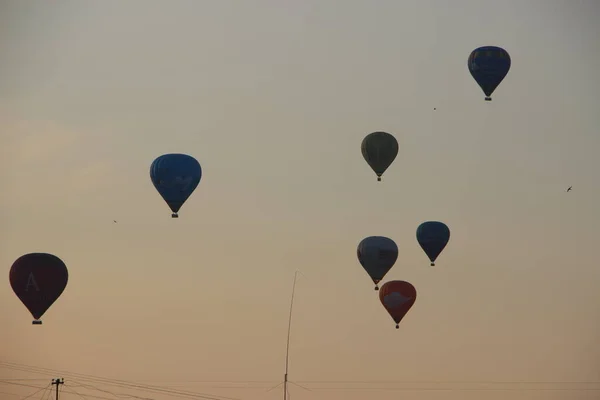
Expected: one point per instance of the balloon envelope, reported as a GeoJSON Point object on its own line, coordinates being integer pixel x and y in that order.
{"type": "Point", "coordinates": [433, 236]}
{"type": "Point", "coordinates": [38, 279]}
{"type": "Point", "coordinates": [377, 255]}
{"type": "Point", "coordinates": [397, 298]}
{"type": "Point", "coordinates": [379, 150]}
{"type": "Point", "coordinates": [489, 65]}
{"type": "Point", "coordinates": [175, 177]}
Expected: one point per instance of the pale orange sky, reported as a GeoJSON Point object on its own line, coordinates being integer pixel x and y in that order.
{"type": "Point", "coordinates": [273, 97]}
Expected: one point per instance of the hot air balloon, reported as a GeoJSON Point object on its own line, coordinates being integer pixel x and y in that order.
{"type": "Point", "coordinates": [489, 65]}
{"type": "Point", "coordinates": [379, 150]}
{"type": "Point", "coordinates": [397, 297]}
{"type": "Point", "coordinates": [377, 255]}
{"type": "Point", "coordinates": [433, 236]}
{"type": "Point", "coordinates": [38, 279]}
{"type": "Point", "coordinates": [175, 176]}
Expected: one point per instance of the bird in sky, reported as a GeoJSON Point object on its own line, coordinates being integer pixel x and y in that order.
{"type": "Point", "coordinates": [569, 189]}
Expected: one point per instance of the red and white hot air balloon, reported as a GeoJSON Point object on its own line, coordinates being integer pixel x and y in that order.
{"type": "Point", "coordinates": [397, 298]}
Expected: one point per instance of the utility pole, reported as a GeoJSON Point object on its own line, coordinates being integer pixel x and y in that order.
{"type": "Point", "coordinates": [58, 382]}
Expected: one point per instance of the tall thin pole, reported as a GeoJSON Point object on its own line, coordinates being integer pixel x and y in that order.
{"type": "Point", "coordinates": [58, 382]}
{"type": "Point", "coordinates": [287, 349]}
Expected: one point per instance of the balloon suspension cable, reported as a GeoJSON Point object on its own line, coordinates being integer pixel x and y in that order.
{"type": "Point", "coordinates": [287, 348]}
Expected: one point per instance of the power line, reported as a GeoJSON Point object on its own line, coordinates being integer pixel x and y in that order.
{"type": "Point", "coordinates": [449, 382]}
{"type": "Point", "coordinates": [74, 392]}
{"type": "Point", "coordinates": [46, 371]}
{"type": "Point", "coordinates": [204, 381]}
{"type": "Point", "coordinates": [342, 389]}
{"type": "Point", "coordinates": [11, 394]}
{"type": "Point", "coordinates": [116, 382]}
{"type": "Point", "coordinates": [114, 394]}
{"type": "Point", "coordinates": [34, 393]}
{"type": "Point", "coordinates": [47, 394]}
{"type": "Point", "coordinates": [320, 385]}
{"type": "Point", "coordinates": [87, 396]}
{"type": "Point", "coordinates": [452, 386]}
{"type": "Point", "coordinates": [379, 388]}
{"type": "Point", "coordinates": [354, 382]}
{"type": "Point", "coordinates": [22, 384]}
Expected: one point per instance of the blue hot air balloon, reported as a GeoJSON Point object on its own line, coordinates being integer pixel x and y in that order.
{"type": "Point", "coordinates": [489, 65]}
{"type": "Point", "coordinates": [433, 236]}
{"type": "Point", "coordinates": [175, 176]}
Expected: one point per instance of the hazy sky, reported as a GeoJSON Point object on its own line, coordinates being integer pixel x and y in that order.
{"type": "Point", "coordinates": [273, 98]}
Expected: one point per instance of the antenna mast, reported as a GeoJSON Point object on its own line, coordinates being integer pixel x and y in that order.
{"type": "Point", "coordinates": [287, 349]}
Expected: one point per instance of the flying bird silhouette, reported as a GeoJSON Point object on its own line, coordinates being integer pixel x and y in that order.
{"type": "Point", "coordinates": [569, 189]}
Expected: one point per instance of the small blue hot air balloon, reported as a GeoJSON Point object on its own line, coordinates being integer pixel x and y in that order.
{"type": "Point", "coordinates": [433, 236]}
{"type": "Point", "coordinates": [489, 65]}
{"type": "Point", "coordinates": [175, 176]}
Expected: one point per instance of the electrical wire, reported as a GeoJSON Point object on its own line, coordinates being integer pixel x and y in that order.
{"type": "Point", "coordinates": [85, 381]}
{"type": "Point", "coordinates": [36, 392]}
{"type": "Point", "coordinates": [116, 382]}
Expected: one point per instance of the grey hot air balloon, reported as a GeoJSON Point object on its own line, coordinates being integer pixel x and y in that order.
{"type": "Point", "coordinates": [379, 150]}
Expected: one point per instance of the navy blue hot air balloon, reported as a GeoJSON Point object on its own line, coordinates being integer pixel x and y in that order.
{"type": "Point", "coordinates": [433, 236]}
{"type": "Point", "coordinates": [175, 176]}
{"type": "Point", "coordinates": [489, 65]}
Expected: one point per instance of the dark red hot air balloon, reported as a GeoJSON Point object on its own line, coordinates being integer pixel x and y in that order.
{"type": "Point", "coordinates": [38, 279]}
{"type": "Point", "coordinates": [397, 297]}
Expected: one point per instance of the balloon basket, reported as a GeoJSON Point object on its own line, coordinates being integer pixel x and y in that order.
{"type": "Point", "coordinates": [36, 322]}
{"type": "Point", "coordinates": [174, 215]}
{"type": "Point", "coordinates": [378, 179]}
{"type": "Point", "coordinates": [397, 326]}
{"type": "Point", "coordinates": [488, 99]}
{"type": "Point", "coordinates": [432, 264]}
{"type": "Point", "coordinates": [376, 287]}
